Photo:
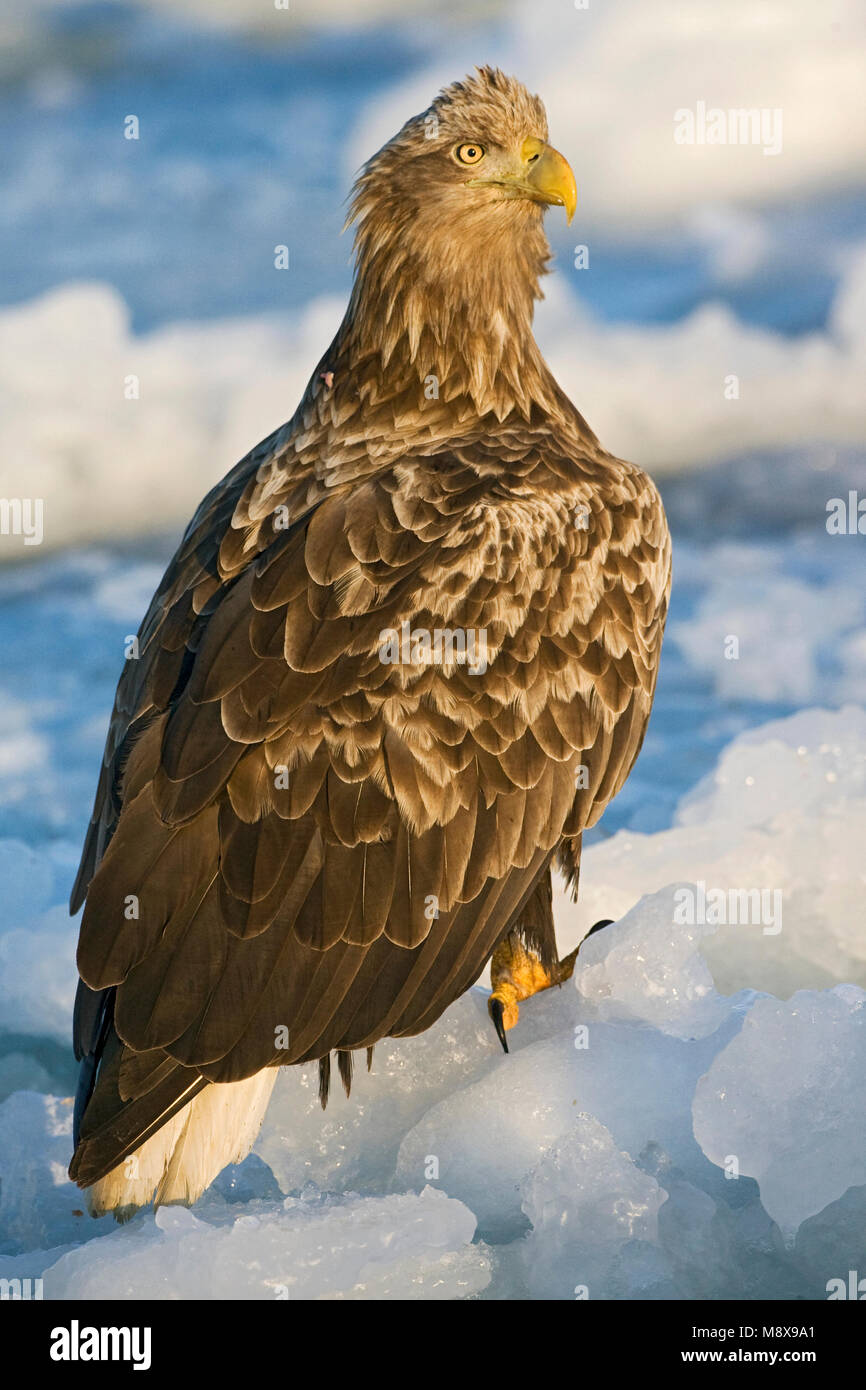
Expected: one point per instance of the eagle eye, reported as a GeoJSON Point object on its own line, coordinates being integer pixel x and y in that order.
{"type": "Point", "coordinates": [471, 153]}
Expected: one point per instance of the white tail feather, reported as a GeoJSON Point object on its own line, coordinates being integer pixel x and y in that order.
{"type": "Point", "coordinates": [217, 1127]}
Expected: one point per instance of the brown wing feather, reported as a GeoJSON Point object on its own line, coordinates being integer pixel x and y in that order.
{"type": "Point", "coordinates": [320, 838]}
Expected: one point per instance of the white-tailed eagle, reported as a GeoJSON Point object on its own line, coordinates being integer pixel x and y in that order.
{"type": "Point", "coordinates": [404, 655]}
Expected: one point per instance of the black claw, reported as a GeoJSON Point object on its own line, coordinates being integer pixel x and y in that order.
{"type": "Point", "coordinates": [605, 922]}
{"type": "Point", "coordinates": [495, 1010]}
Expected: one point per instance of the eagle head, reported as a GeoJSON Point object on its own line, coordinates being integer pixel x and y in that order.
{"type": "Point", "coordinates": [475, 157]}
{"type": "Point", "coordinates": [449, 240]}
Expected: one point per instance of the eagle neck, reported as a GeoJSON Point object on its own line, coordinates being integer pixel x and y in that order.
{"type": "Point", "coordinates": [421, 330]}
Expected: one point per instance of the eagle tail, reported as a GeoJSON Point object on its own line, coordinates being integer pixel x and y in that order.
{"type": "Point", "coordinates": [182, 1158]}
{"type": "Point", "coordinates": [148, 1129]}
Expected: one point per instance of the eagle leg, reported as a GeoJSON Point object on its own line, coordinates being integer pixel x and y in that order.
{"type": "Point", "coordinates": [517, 971]}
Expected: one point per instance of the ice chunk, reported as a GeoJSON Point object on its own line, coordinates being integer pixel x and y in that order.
{"type": "Point", "coordinates": [315, 1246]}
{"type": "Point", "coordinates": [586, 1201]}
{"type": "Point", "coordinates": [354, 1143]}
{"type": "Point", "coordinates": [799, 765]}
{"type": "Point", "coordinates": [722, 1245]}
{"type": "Point", "coordinates": [39, 1206]}
{"type": "Point", "coordinates": [832, 1244]}
{"type": "Point", "coordinates": [784, 1101]}
{"type": "Point", "coordinates": [478, 1143]}
{"type": "Point", "coordinates": [784, 816]}
{"type": "Point", "coordinates": [648, 968]}
{"type": "Point", "coordinates": [250, 1180]}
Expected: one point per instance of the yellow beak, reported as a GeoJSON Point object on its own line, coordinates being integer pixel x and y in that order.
{"type": "Point", "coordinates": [549, 178]}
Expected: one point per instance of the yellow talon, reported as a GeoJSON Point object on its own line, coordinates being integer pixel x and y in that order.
{"type": "Point", "coordinates": [516, 974]}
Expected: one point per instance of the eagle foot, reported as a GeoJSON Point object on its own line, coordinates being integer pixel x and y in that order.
{"type": "Point", "coordinates": [517, 972]}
